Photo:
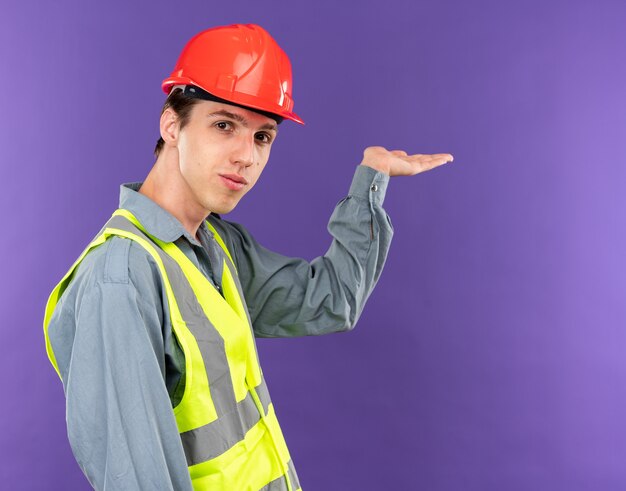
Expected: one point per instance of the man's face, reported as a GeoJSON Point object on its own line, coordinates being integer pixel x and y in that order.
{"type": "Point", "coordinates": [222, 151]}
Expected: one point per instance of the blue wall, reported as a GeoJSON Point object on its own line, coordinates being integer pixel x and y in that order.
{"type": "Point", "coordinates": [491, 354]}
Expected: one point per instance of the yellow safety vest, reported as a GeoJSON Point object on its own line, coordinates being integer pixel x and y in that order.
{"type": "Point", "coordinates": [227, 424]}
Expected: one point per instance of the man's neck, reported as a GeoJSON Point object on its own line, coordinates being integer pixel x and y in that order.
{"type": "Point", "coordinates": [169, 193]}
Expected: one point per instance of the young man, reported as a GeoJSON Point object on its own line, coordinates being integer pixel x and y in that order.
{"type": "Point", "coordinates": [152, 330]}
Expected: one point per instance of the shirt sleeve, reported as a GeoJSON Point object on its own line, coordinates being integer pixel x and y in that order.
{"type": "Point", "coordinates": [109, 338]}
{"type": "Point", "coordinates": [290, 296]}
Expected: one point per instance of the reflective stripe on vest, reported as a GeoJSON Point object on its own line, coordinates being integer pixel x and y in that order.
{"type": "Point", "coordinates": [228, 427]}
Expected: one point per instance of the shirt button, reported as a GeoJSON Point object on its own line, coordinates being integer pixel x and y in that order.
{"type": "Point", "coordinates": [374, 187]}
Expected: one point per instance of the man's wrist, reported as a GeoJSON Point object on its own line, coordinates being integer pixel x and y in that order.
{"type": "Point", "coordinates": [377, 166]}
{"type": "Point", "coordinates": [369, 184]}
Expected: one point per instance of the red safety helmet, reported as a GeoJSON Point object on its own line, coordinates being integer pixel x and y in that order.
{"type": "Point", "coordinates": [240, 63]}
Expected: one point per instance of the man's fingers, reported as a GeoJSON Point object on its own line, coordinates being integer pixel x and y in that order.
{"type": "Point", "coordinates": [446, 156]}
{"type": "Point", "coordinates": [423, 163]}
{"type": "Point", "coordinates": [434, 156]}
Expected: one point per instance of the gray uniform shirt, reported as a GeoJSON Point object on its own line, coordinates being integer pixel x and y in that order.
{"type": "Point", "coordinates": [121, 366]}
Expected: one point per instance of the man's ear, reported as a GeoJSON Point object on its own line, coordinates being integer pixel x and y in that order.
{"type": "Point", "coordinates": [168, 126]}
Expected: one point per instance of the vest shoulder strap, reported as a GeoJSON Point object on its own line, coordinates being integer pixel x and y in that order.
{"type": "Point", "coordinates": [220, 241]}
{"type": "Point", "coordinates": [127, 214]}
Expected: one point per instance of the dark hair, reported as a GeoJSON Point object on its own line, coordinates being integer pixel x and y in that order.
{"type": "Point", "coordinates": [182, 106]}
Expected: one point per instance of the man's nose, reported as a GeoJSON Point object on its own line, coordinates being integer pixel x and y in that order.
{"type": "Point", "coordinates": [243, 154]}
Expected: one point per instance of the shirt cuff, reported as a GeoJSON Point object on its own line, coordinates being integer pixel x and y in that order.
{"type": "Point", "coordinates": [369, 184]}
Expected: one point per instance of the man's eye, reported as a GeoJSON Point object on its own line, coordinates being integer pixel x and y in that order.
{"type": "Point", "coordinates": [264, 137]}
{"type": "Point", "coordinates": [223, 125]}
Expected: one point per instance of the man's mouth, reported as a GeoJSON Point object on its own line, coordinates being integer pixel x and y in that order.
{"type": "Point", "coordinates": [234, 181]}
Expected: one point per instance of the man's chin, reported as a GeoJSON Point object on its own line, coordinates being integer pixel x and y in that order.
{"type": "Point", "coordinates": [224, 209]}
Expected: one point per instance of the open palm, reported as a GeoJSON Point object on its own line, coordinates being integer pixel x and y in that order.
{"type": "Point", "coordinates": [399, 163]}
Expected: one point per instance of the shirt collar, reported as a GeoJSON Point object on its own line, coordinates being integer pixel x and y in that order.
{"type": "Point", "coordinates": [157, 221]}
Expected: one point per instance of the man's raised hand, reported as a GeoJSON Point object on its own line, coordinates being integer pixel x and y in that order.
{"type": "Point", "coordinates": [399, 163]}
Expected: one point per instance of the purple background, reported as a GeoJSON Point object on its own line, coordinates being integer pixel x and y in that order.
{"type": "Point", "coordinates": [491, 356]}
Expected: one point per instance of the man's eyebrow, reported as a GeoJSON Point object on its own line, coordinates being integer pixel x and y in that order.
{"type": "Point", "coordinates": [242, 120]}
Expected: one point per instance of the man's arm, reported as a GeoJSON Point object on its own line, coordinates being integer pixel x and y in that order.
{"type": "Point", "coordinates": [290, 296]}
{"type": "Point", "coordinates": [109, 344]}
